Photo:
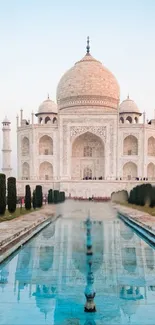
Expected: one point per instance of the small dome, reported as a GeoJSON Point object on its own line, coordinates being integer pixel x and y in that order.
{"type": "Point", "coordinates": [88, 83]}
{"type": "Point", "coordinates": [128, 106]}
{"type": "Point", "coordinates": [48, 106]}
{"type": "Point", "coordinates": [6, 120]}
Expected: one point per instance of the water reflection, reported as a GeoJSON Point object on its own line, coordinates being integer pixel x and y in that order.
{"type": "Point", "coordinates": [51, 272]}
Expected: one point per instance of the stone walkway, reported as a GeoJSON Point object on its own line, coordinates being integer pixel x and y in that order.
{"type": "Point", "coordinates": [16, 230]}
{"type": "Point", "coordinates": [144, 219]}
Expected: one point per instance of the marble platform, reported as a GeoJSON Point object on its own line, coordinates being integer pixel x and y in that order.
{"type": "Point", "coordinates": [16, 232]}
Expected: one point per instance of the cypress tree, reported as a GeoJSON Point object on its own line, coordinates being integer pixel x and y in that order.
{"type": "Point", "coordinates": [2, 194]}
{"type": "Point", "coordinates": [56, 196]}
{"type": "Point", "coordinates": [39, 196]}
{"type": "Point", "coordinates": [50, 196]}
{"type": "Point", "coordinates": [12, 194]}
{"type": "Point", "coordinates": [34, 203]}
{"type": "Point", "coordinates": [27, 197]}
{"type": "Point", "coordinates": [152, 200]}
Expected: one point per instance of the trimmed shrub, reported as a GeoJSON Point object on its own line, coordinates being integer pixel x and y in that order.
{"type": "Point", "coordinates": [142, 195]}
{"type": "Point", "coordinates": [50, 196]}
{"type": "Point", "coordinates": [2, 194]}
{"type": "Point", "coordinates": [34, 203]}
{"type": "Point", "coordinates": [152, 198]}
{"type": "Point", "coordinates": [12, 194]}
{"type": "Point", "coordinates": [56, 196]}
{"type": "Point", "coordinates": [27, 197]}
{"type": "Point", "coordinates": [61, 196]}
{"type": "Point", "coordinates": [39, 196]}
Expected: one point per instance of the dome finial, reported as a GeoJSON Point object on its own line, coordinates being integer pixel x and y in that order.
{"type": "Point", "coordinates": [48, 97]}
{"type": "Point", "coordinates": [128, 97]}
{"type": "Point", "coordinates": [88, 46]}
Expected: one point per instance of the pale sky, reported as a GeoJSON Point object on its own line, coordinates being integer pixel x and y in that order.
{"type": "Point", "coordinates": [41, 39]}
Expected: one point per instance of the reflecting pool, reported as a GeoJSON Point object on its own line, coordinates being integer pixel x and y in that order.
{"type": "Point", "coordinates": [45, 281]}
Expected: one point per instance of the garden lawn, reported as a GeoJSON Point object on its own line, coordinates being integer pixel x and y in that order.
{"type": "Point", "coordinates": [144, 208]}
{"type": "Point", "coordinates": [17, 213]}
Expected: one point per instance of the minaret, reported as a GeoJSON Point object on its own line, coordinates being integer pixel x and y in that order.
{"type": "Point", "coordinates": [6, 151]}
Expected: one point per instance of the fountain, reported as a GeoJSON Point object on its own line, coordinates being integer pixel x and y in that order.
{"type": "Point", "coordinates": [89, 290]}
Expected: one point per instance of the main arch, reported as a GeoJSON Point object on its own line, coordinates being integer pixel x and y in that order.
{"type": "Point", "coordinates": [88, 157]}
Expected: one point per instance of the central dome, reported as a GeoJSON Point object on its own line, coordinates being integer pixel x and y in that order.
{"type": "Point", "coordinates": [88, 83]}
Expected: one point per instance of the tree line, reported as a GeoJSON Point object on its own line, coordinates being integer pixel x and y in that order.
{"type": "Point", "coordinates": [8, 196]}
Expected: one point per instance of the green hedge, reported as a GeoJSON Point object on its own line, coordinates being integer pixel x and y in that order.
{"type": "Point", "coordinates": [142, 194]}
{"type": "Point", "coordinates": [27, 197]}
{"type": "Point", "coordinates": [39, 196]}
{"type": "Point", "coordinates": [12, 194]}
{"type": "Point", "coordinates": [2, 194]}
{"type": "Point", "coordinates": [50, 196]}
{"type": "Point", "coordinates": [34, 200]}
{"type": "Point", "coordinates": [54, 196]}
{"type": "Point", "coordinates": [61, 196]}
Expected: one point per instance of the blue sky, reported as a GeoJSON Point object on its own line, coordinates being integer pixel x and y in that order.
{"type": "Point", "coordinates": [41, 39]}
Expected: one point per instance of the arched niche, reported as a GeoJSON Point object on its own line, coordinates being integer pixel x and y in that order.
{"type": "Point", "coordinates": [129, 119]}
{"type": "Point", "coordinates": [46, 258]}
{"type": "Point", "coordinates": [130, 146]}
{"type": "Point", "coordinates": [45, 171]}
{"type": "Point", "coordinates": [88, 153]}
{"type": "Point", "coordinates": [25, 171]}
{"type": "Point", "coordinates": [121, 120]}
{"type": "Point", "coordinates": [25, 146]}
{"type": "Point", "coordinates": [54, 120]}
{"type": "Point", "coordinates": [40, 120]}
{"type": "Point", "coordinates": [47, 119]}
{"type": "Point", "coordinates": [151, 146]}
{"type": "Point", "coordinates": [129, 259]}
{"type": "Point", "coordinates": [150, 258]}
{"type": "Point", "coordinates": [136, 120]}
{"type": "Point", "coordinates": [46, 145]}
{"type": "Point", "coordinates": [130, 171]}
{"type": "Point", "coordinates": [151, 171]}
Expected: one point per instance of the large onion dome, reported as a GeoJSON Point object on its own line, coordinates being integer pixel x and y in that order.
{"type": "Point", "coordinates": [88, 83]}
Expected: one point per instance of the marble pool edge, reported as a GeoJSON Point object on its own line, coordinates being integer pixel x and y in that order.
{"type": "Point", "coordinates": [141, 228]}
{"type": "Point", "coordinates": [17, 241]}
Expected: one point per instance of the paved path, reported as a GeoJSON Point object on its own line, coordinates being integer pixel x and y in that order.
{"type": "Point", "coordinates": [142, 218]}
{"type": "Point", "coordinates": [15, 230]}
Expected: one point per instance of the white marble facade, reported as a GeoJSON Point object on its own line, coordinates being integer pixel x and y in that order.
{"type": "Point", "coordinates": [88, 143]}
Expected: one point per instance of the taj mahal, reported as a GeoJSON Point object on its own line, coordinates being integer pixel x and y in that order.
{"type": "Point", "coordinates": [86, 144]}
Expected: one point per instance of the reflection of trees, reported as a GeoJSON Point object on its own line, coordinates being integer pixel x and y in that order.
{"type": "Point", "coordinates": [129, 259]}
{"type": "Point", "coordinates": [46, 257]}
{"type": "Point", "coordinates": [149, 257]}
{"type": "Point", "coordinates": [130, 293]}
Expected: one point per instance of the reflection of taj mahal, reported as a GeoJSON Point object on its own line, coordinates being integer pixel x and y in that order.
{"type": "Point", "coordinates": [88, 137]}
{"type": "Point", "coordinates": [52, 267]}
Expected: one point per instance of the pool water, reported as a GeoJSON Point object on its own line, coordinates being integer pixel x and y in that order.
{"type": "Point", "coordinates": [45, 280]}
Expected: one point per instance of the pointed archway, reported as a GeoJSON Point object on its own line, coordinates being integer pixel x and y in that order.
{"type": "Point", "coordinates": [88, 157]}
